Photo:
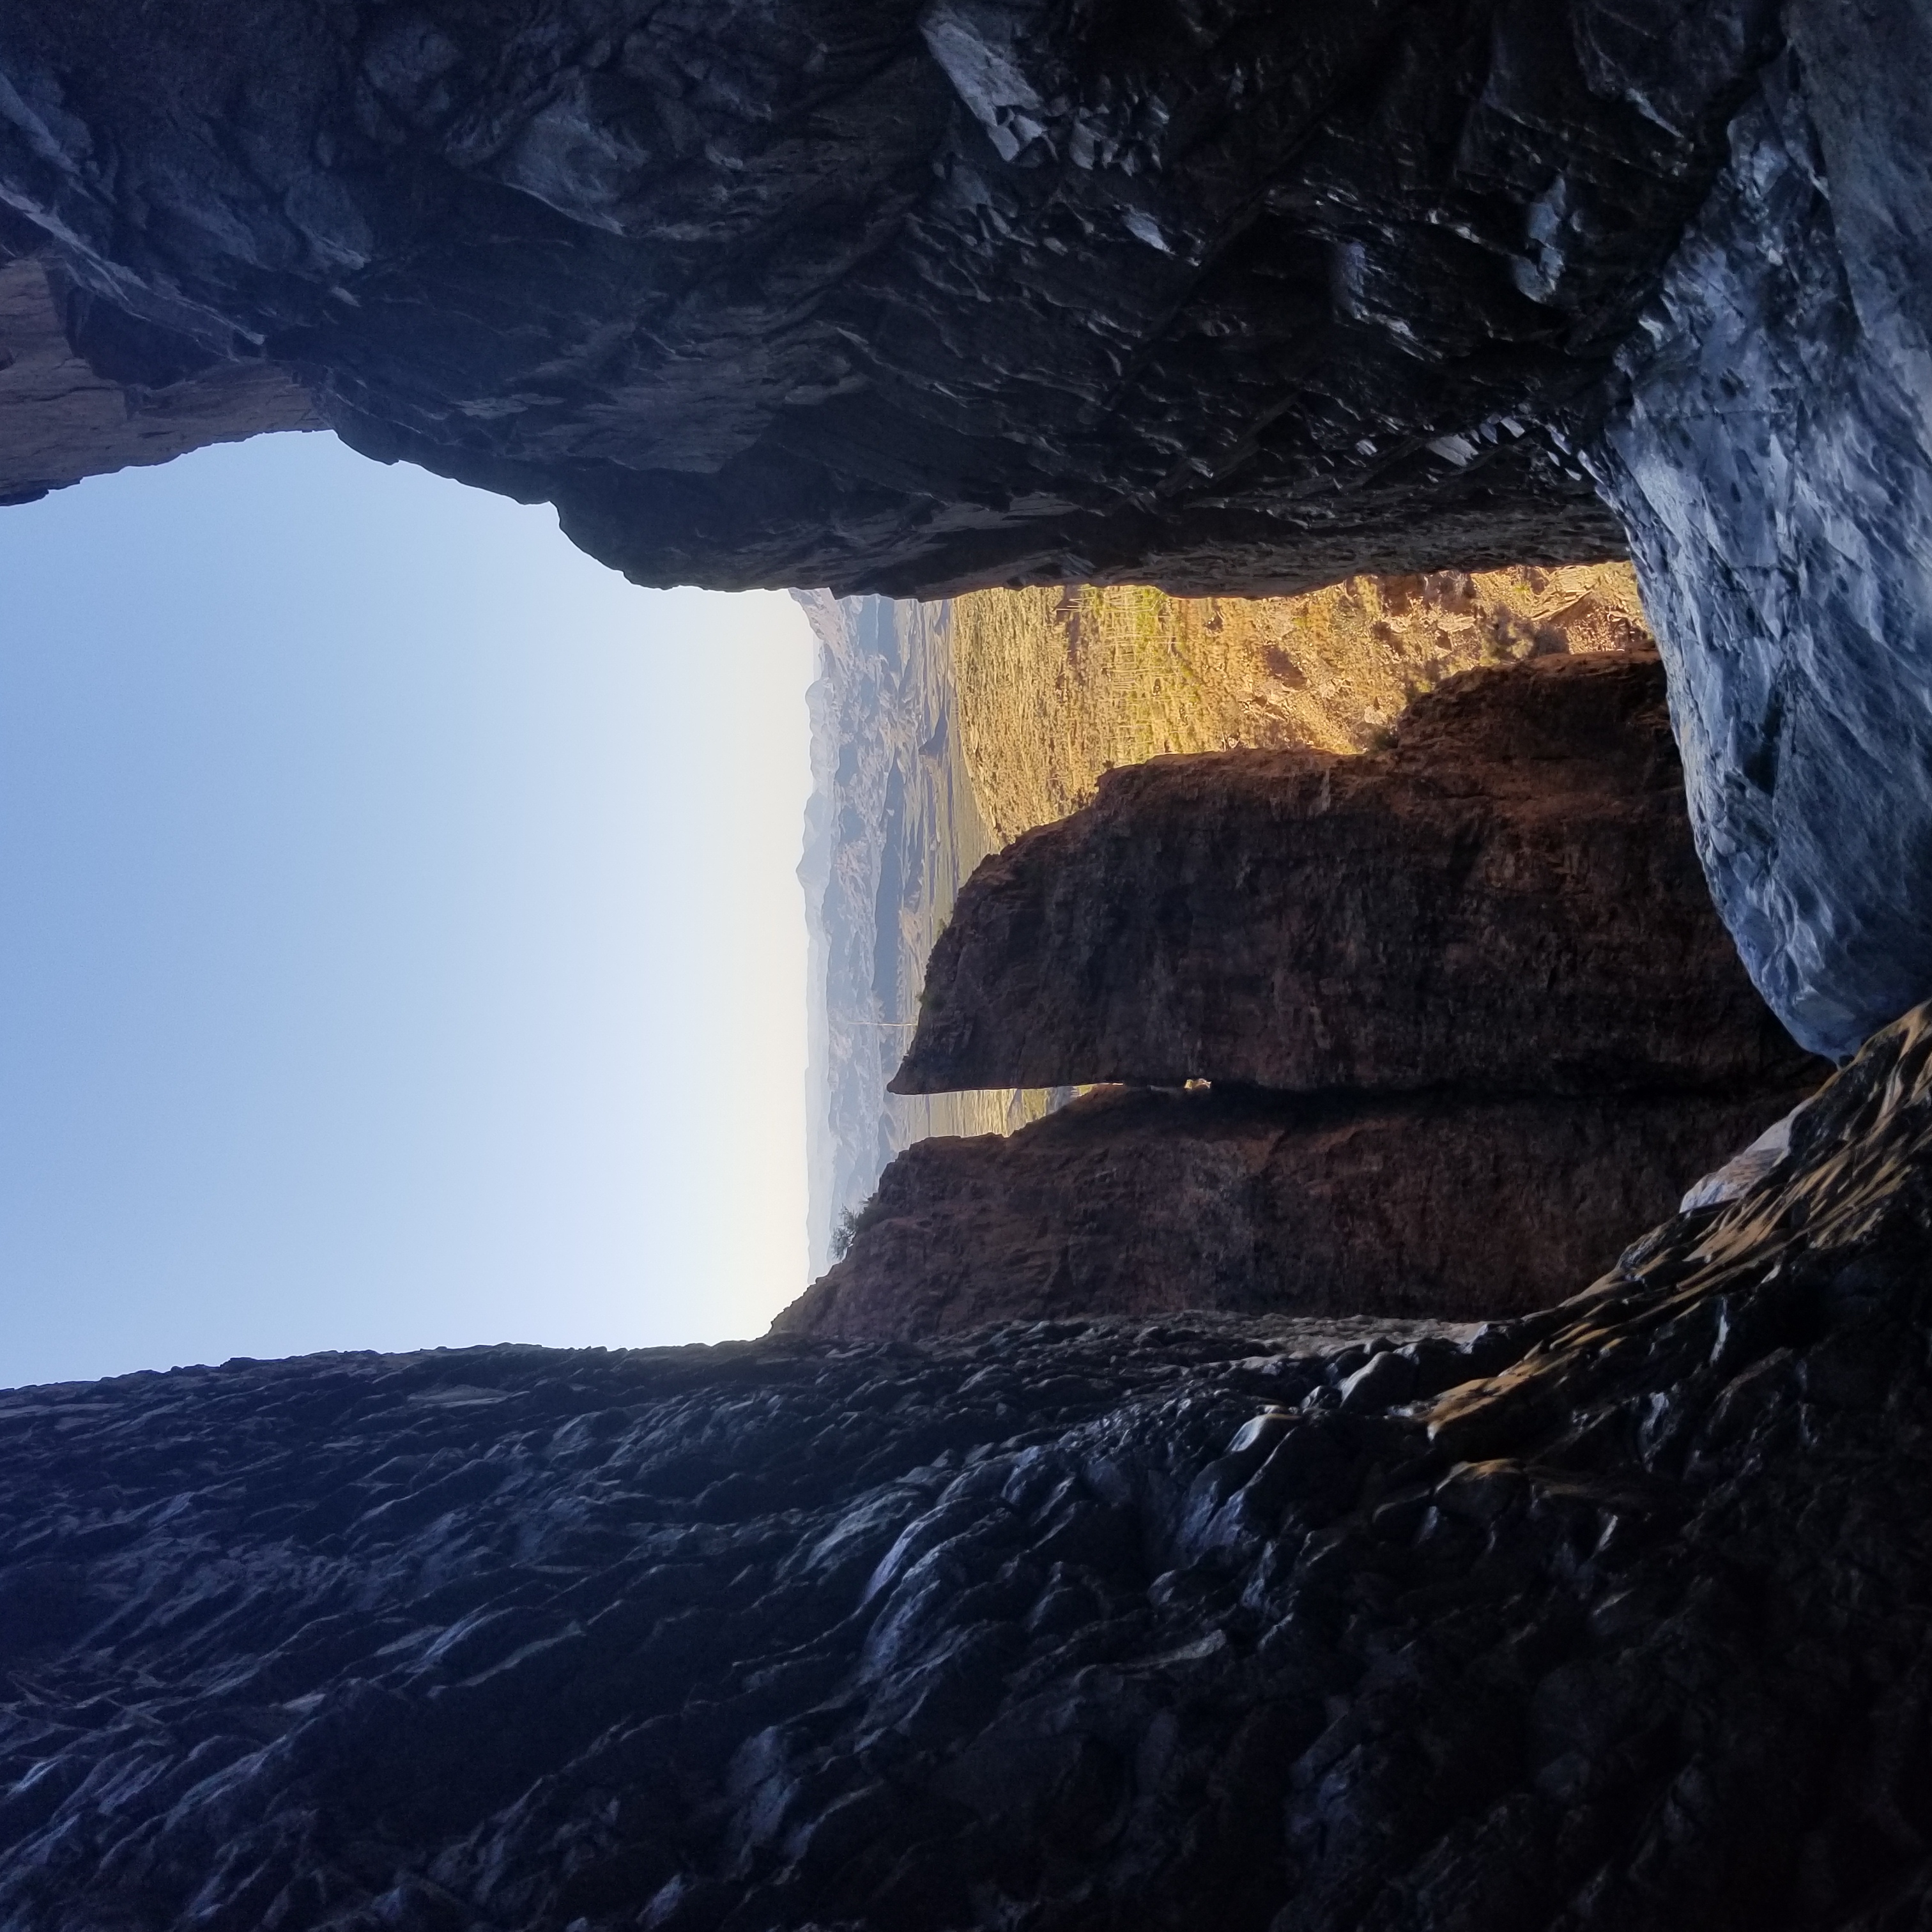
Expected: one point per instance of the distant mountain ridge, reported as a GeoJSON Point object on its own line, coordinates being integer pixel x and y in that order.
{"type": "Point", "coordinates": [891, 831]}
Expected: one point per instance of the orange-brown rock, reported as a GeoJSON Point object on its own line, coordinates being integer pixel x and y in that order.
{"type": "Point", "coordinates": [1508, 898]}
{"type": "Point", "coordinates": [1138, 1202]}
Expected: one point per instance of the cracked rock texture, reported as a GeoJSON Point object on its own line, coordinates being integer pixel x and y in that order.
{"type": "Point", "coordinates": [62, 418]}
{"type": "Point", "coordinates": [1773, 463]}
{"type": "Point", "coordinates": [1134, 1201]}
{"type": "Point", "coordinates": [910, 295]}
{"type": "Point", "coordinates": [1615, 1616]}
{"type": "Point", "coordinates": [1507, 900]}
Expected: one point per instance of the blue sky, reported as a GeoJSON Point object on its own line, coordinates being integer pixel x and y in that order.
{"type": "Point", "coordinates": [399, 939]}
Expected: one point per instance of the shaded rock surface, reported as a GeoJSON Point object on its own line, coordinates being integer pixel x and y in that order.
{"type": "Point", "coordinates": [1508, 899]}
{"type": "Point", "coordinates": [61, 419]}
{"type": "Point", "coordinates": [907, 296]}
{"type": "Point", "coordinates": [1616, 1616]}
{"type": "Point", "coordinates": [1132, 1202]}
{"type": "Point", "coordinates": [1773, 463]}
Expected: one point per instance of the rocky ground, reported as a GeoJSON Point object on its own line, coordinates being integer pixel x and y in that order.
{"type": "Point", "coordinates": [1615, 1616]}
{"type": "Point", "coordinates": [1058, 686]}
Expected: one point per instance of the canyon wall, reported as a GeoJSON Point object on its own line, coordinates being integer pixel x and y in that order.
{"type": "Point", "coordinates": [1439, 1027]}
{"type": "Point", "coordinates": [75, 403]}
{"type": "Point", "coordinates": [1508, 898]}
{"type": "Point", "coordinates": [940, 731]}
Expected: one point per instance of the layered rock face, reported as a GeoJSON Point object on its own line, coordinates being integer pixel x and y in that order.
{"type": "Point", "coordinates": [1469, 1019]}
{"type": "Point", "coordinates": [1134, 1202]}
{"type": "Point", "coordinates": [1508, 899]}
{"type": "Point", "coordinates": [1615, 1617]}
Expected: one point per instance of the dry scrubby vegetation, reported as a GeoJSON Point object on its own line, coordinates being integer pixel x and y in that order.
{"type": "Point", "coordinates": [1054, 686]}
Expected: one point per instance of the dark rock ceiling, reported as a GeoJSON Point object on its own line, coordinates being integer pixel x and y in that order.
{"type": "Point", "coordinates": [1231, 295]}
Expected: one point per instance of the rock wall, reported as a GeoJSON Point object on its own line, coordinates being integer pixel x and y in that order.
{"type": "Point", "coordinates": [1506, 900]}
{"type": "Point", "coordinates": [1470, 1021]}
{"type": "Point", "coordinates": [1773, 464]}
{"type": "Point", "coordinates": [1133, 1202]}
{"type": "Point", "coordinates": [905, 297]}
{"type": "Point", "coordinates": [1612, 1620]}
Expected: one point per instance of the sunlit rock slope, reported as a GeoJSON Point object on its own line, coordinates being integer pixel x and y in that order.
{"type": "Point", "coordinates": [1056, 687]}
{"type": "Point", "coordinates": [1614, 1617]}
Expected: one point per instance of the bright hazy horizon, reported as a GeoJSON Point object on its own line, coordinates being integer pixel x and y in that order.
{"type": "Point", "coordinates": [402, 945]}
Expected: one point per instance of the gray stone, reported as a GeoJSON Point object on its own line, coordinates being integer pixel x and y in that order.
{"type": "Point", "coordinates": [1615, 1620]}
{"type": "Point", "coordinates": [1773, 464]}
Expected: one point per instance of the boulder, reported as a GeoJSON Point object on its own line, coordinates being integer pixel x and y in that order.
{"type": "Point", "coordinates": [1506, 900]}
{"type": "Point", "coordinates": [1132, 1202]}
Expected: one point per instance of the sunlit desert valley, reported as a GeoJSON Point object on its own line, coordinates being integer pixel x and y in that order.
{"type": "Point", "coordinates": [941, 731]}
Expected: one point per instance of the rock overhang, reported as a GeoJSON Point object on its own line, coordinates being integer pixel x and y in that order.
{"type": "Point", "coordinates": [917, 298]}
